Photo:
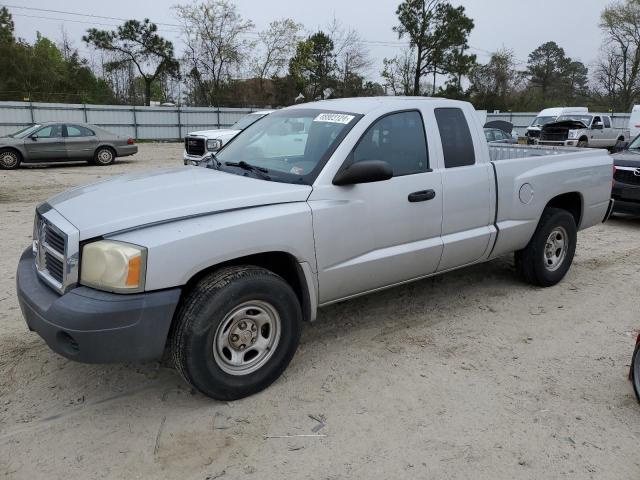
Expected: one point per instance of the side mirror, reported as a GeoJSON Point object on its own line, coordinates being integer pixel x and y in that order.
{"type": "Point", "coordinates": [34, 137]}
{"type": "Point", "coordinates": [367, 171]}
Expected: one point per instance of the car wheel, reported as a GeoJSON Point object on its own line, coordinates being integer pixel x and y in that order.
{"type": "Point", "coordinates": [104, 156]}
{"type": "Point", "coordinates": [236, 332]}
{"type": "Point", "coordinates": [548, 256]}
{"type": "Point", "coordinates": [583, 143]}
{"type": "Point", "coordinates": [9, 159]}
{"type": "Point", "coordinates": [635, 371]}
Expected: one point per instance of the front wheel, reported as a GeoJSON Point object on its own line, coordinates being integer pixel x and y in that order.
{"type": "Point", "coordinates": [236, 332]}
{"type": "Point", "coordinates": [583, 143]}
{"type": "Point", "coordinates": [548, 256]}
{"type": "Point", "coordinates": [9, 159]}
{"type": "Point", "coordinates": [635, 371]}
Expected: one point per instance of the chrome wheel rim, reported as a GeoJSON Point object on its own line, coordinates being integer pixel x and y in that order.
{"type": "Point", "coordinates": [556, 248]}
{"type": "Point", "coordinates": [105, 156]}
{"type": "Point", "coordinates": [9, 159]}
{"type": "Point", "coordinates": [247, 338]}
{"type": "Point", "coordinates": [636, 372]}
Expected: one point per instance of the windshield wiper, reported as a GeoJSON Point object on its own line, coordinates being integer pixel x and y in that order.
{"type": "Point", "coordinates": [260, 171]}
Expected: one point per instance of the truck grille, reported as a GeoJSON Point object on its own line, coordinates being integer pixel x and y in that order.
{"type": "Point", "coordinates": [50, 246]}
{"type": "Point", "coordinates": [533, 133]}
{"type": "Point", "coordinates": [551, 136]}
{"type": "Point", "coordinates": [194, 146]}
{"type": "Point", "coordinates": [628, 176]}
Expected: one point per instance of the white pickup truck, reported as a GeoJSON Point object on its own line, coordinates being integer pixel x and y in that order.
{"type": "Point", "coordinates": [221, 264]}
{"type": "Point", "coordinates": [583, 130]}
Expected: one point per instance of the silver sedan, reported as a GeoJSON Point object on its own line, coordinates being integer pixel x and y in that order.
{"type": "Point", "coordinates": [63, 142]}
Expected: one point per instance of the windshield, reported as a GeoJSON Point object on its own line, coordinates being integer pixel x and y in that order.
{"type": "Point", "coordinates": [25, 132]}
{"type": "Point", "coordinates": [540, 121]}
{"type": "Point", "coordinates": [586, 119]}
{"type": "Point", "coordinates": [247, 121]}
{"type": "Point", "coordinates": [289, 145]}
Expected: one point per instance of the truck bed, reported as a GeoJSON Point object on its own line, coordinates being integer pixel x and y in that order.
{"type": "Point", "coordinates": [528, 177]}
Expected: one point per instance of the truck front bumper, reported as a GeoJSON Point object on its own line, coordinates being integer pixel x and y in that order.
{"type": "Point", "coordinates": [91, 326]}
{"type": "Point", "coordinates": [558, 143]}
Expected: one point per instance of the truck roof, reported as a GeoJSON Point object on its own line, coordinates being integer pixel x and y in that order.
{"type": "Point", "coordinates": [364, 105]}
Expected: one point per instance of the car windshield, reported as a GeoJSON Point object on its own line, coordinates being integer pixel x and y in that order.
{"type": "Point", "coordinates": [635, 144]}
{"type": "Point", "coordinates": [247, 121]}
{"type": "Point", "coordinates": [25, 132]}
{"type": "Point", "coordinates": [540, 121]}
{"type": "Point", "coordinates": [586, 119]}
{"type": "Point", "coordinates": [287, 146]}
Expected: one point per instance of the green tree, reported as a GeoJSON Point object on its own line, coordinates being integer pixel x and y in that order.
{"type": "Point", "coordinates": [138, 43]}
{"type": "Point", "coordinates": [6, 27]}
{"type": "Point", "coordinates": [495, 85]}
{"type": "Point", "coordinates": [436, 30]}
{"type": "Point", "coordinates": [546, 67]}
{"type": "Point", "coordinates": [314, 65]}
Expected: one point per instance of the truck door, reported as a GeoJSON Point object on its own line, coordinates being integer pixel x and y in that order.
{"type": "Point", "coordinates": [597, 133]}
{"type": "Point", "coordinates": [378, 234]}
{"type": "Point", "coordinates": [466, 183]}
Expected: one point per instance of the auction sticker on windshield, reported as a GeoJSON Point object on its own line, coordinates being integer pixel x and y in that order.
{"type": "Point", "coordinates": [334, 118]}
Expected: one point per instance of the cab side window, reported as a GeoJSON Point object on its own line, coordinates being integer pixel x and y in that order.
{"type": "Point", "coordinates": [457, 144]}
{"type": "Point", "coordinates": [398, 139]}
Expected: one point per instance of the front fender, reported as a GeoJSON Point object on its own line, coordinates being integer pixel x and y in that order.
{"type": "Point", "coordinates": [179, 250]}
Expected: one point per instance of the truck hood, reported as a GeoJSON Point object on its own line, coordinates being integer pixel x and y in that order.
{"type": "Point", "coordinates": [214, 134]}
{"type": "Point", "coordinates": [626, 159]}
{"type": "Point", "coordinates": [137, 200]}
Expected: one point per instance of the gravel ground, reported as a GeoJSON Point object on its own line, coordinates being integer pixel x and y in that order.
{"type": "Point", "coordinates": [469, 375]}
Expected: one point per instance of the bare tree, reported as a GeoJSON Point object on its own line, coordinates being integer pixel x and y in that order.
{"type": "Point", "coordinates": [214, 33]}
{"type": "Point", "coordinates": [277, 47]}
{"type": "Point", "coordinates": [618, 70]}
{"type": "Point", "coordinates": [352, 57]}
{"type": "Point", "coordinates": [398, 72]}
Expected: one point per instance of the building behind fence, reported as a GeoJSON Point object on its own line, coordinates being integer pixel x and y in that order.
{"type": "Point", "coordinates": [170, 123]}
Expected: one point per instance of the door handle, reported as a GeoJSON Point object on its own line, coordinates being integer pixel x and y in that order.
{"type": "Point", "coordinates": [422, 196]}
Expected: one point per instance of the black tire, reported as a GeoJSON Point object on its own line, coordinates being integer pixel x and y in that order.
{"type": "Point", "coordinates": [199, 326]}
{"type": "Point", "coordinates": [104, 156]}
{"type": "Point", "coordinates": [9, 159]}
{"type": "Point", "coordinates": [635, 371]}
{"type": "Point", "coordinates": [583, 143]}
{"type": "Point", "coordinates": [534, 263]}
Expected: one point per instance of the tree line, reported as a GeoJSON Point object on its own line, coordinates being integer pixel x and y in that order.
{"type": "Point", "coordinates": [226, 62]}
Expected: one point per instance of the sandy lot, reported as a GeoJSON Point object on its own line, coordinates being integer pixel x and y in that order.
{"type": "Point", "coordinates": [468, 375]}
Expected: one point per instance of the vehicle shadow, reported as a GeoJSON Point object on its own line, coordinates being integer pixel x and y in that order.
{"type": "Point", "coordinates": [63, 165]}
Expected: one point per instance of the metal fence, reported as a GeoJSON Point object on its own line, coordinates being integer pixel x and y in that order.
{"type": "Point", "coordinates": [143, 123]}
{"type": "Point", "coordinates": [172, 123]}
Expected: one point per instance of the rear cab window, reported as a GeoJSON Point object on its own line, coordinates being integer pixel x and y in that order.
{"type": "Point", "coordinates": [457, 143]}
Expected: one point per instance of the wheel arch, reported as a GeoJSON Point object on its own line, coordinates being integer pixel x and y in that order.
{"type": "Point", "coordinates": [106, 145]}
{"type": "Point", "coordinates": [15, 149]}
{"type": "Point", "coordinates": [572, 202]}
{"type": "Point", "coordinates": [281, 263]}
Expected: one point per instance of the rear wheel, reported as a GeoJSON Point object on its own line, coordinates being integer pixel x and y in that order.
{"type": "Point", "coordinates": [236, 332]}
{"type": "Point", "coordinates": [548, 256]}
{"type": "Point", "coordinates": [635, 371]}
{"type": "Point", "coordinates": [9, 159]}
{"type": "Point", "coordinates": [104, 156]}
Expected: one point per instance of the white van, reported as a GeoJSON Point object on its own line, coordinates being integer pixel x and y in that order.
{"type": "Point", "coordinates": [634, 122]}
{"type": "Point", "coordinates": [549, 115]}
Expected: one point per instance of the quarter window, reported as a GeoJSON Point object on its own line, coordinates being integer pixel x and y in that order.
{"type": "Point", "coordinates": [457, 144]}
{"type": "Point", "coordinates": [78, 131]}
{"type": "Point", "coordinates": [607, 122]}
{"type": "Point", "coordinates": [399, 140]}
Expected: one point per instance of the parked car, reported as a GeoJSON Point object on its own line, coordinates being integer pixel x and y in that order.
{"type": "Point", "coordinates": [63, 142]}
{"type": "Point", "coordinates": [499, 131]}
{"type": "Point", "coordinates": [549, 115]}
{"type": "Point", "coordinates": [224, 262]}
{"type": "Point", "coordinates": [584, 130]}
{"type": "Point", "coordinates": [626, 179]}
{"type": "Point", "coordinates": [198, 145]}
{"type": "Point", "coordinates": [634, 371]}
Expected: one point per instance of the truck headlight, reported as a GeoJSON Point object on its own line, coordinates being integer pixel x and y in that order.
{"type": "Point", "coordinates": [214, 145]}
{"type": "Point", "coordinates": [573, 134]}
{"type": "Point", "coordinates": [114, 266]}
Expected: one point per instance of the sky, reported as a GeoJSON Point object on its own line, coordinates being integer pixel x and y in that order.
{"type": "Point", "coordinates": [520, 25]}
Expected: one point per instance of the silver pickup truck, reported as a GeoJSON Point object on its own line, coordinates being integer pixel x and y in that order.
{"type": "Point", "coordinates": [221, 264]}
{"type": "Point", "coordinates": [584, 130]}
